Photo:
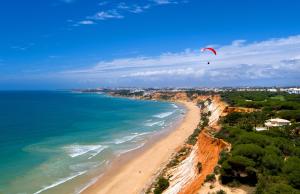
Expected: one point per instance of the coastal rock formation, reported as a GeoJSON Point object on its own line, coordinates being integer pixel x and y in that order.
{"type": "Point", "coordinates": [178, 96]}
{"type": "Point", "coordinates": [208, 150]}
{"type": "Point", "coordinates": [183, 174]}
{"type": "Point", "coordinates": [216, 108]}
{"type": "Point", "coordinates": [185, 177]}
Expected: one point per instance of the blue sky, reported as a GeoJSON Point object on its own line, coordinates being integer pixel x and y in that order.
{"type": "Point", "coordinates": [88, 43]}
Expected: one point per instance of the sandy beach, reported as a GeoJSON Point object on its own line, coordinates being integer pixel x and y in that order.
{"type": "Point", "coordinates": [135, 174]}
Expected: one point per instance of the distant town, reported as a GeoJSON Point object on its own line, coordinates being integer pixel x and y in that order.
{"type": "Point", "coordinates": [145, 91]}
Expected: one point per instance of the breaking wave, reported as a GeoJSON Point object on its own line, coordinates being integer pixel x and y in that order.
{"type": "Point", "coordinates": [129, 150]}
{"type": "Point", "coordinates": [60, 181]}
{"type": "Point", "coordinates": [163, 115]}
{"type": "Point", "coordinates": [159, 123]}
{"type": "Point", "coordinates": [78, 150]}
{"type": "Point", "coordinates": [174, 105]}
{"type": "Point", "coordinates": [129, 137]}
{"type": "Point", "coordinates": [84, 187]}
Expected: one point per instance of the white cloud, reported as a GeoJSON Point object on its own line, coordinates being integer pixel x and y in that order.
{"type": "Point", "coordinates": [132, 8]}
{"type": "Point", "coordinates": [119, 10]}
{"type": "Point", "coordinates": [102, 3]}
{"type": "Point", "coordinates": [274, 61]}
{"type": "Point", "coordinates": [122, 5]}
{"type": "Point", "coordinates": [23, 47]}
{"type": "Point", "coordinates": [172, 72]}
{"type": "Point", "coordinates": [164, 2]}
{"type": "Point", "coordinates": [104, 15]}
{"type": "Point", "coordinates": [139, 9]}
{"type": "Point", "coordinates": [86, 22]}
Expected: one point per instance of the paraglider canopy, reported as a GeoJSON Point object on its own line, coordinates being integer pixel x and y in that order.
{"type": "Point", "coordinates": [209, 49]}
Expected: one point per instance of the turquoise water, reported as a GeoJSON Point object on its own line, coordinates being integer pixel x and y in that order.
{"type": "Point", "coordinates": [59, 142]}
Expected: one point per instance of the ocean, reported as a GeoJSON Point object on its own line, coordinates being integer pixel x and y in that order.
{"type": "Point", "coordinates": [61, 142]}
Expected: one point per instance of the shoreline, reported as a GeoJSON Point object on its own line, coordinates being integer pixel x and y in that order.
{"type": "Point", "coordinates": [134, 171]}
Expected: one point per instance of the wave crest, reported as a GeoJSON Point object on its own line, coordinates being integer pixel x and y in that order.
{"type": "Point", "coordinates": [78, 150]}
{"type": "Point", "coordinates": [159, 123]}
{"type": "Point", "coordinates": [163, 115]}
{"type": "Point", "coordinates": [129, 138]}
{"type": "Point", "coordinates": [60, 181]}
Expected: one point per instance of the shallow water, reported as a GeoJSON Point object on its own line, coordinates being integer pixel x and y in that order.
{"type": "Point", "coordinates": [52, 141]}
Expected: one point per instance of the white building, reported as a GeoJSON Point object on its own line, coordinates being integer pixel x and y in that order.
{"type": "Point", "coordinates": [293, 90]}
{"type": "Point", "coordinates": [272, 90]}
{"type": "Point", "coordinates": [277, 122]}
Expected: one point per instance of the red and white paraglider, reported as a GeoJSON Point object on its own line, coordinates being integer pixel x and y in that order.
{"type": "Point", "coordinates": [212, 50]}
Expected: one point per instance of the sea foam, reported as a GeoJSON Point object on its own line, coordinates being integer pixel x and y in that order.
{"type": "Point", "coordinates": [60, 181]}
{"type": "Point", "coordinates": [85, 166]}
{"type": "Point", "coordinates": [163, 115]}
{"type": "Point", "coordinates": [84, 187]}
{"type": "Point", "coordinates": [78, 150]}
{"type": "Point", "coordinates": [174, 105]}
{"type": "Point", "coordinates": [129, 137]}
{"type": "Point", "coordinates": [159, 123]}
{"type": "Point", "coordinates": [132, 149]}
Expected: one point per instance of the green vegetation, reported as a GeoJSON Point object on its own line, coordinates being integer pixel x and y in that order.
{"type": "Point", "coordinates": [127, 93]}
{"type": "Point", "coordinates": [269, 160]}
{"type": "Point", "coordinates": [203, 123]}
{"type": "Point", "coordinates": [210, 178]}
{"type": "Point", "coordinates": [166, 96]}
{"type": "Point", "coordinates": [161, 185]}
{"type": "Point", "coordinates": [284, 105]}
{"type": "Point", "coordinates": [221, 192]}
{"type": "Point", "coordinates": [182, 153]}
{"type": "Point", "coordinates": [217, 169]}
{"type": "Point", "coordinates": [278, 97]}
{"type": "Point", "coordinates": [193, 138]}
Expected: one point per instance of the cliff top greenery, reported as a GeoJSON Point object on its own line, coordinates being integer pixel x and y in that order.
{"type": "Point", "coordinates": [269, 160]}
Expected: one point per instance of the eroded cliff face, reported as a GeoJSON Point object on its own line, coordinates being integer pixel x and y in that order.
{"type": "Point", "coordinates": [172, 96]}
{"type": "Point", "coordinates": [217, 109]}
{"type": "Point", "coordinates": [185, 178]}
{"type": "Point", "coordinates": [183, 174]}
{"type": "Point", "coordinates": [208, 150]}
